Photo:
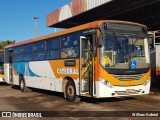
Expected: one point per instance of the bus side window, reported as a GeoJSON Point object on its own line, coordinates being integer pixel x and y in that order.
{"type": "Point", "coordinates": [27, 56]}
{"type": "Point", "coordinates": [38, 48]}
{"type": "Point", "coordinates": [70, 46]}
{"type": "Point", "coordinates": [52, 48]}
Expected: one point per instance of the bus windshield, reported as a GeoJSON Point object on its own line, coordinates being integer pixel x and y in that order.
{"type": "Point", "coordinates": [121, 48]}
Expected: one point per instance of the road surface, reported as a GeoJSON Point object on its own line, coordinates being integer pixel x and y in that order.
{"type": "Point", "coordinates": [53, 104]}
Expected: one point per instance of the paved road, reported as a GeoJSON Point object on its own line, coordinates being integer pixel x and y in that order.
{"type": "Point", "coordinates": [12, 99]}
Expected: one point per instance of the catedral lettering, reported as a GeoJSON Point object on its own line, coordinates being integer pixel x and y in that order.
{"type": "Point", "coordinates": [100, 59]}
{"type": "Point", "coordinates": [67, 71]}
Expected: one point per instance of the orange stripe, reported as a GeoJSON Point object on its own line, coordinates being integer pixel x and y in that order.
{"type": "Point", "coordinates": [71, 30]}
{"type": "Point", "coordinates": [1, 75]}
{"type": "Point", "coordinates": [14, 71]}
{"type": "Point", "coordinates": [60, 64]}
{"type": "Point", "coordinates": [115, 81]}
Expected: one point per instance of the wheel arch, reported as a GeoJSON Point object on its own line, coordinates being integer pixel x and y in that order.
{"type": "Point", "coordinates": [65, 80]}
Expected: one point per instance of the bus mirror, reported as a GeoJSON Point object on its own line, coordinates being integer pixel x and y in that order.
{"type": "Point", "coordinates": [152, 45]}
{"type": "Point", "coordinates": [82, 37]}
{"type": "Point", "coordinates": [101, 42]}
{"type": "Point", "coordinates": [144, 29]}
{"type": "Point", "coordinates": [151, 42]}
{"type": "Point", "coordinates": [103, 27]}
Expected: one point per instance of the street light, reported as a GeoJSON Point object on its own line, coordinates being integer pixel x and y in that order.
{"type": "Point", "coordinates": [36, 25]}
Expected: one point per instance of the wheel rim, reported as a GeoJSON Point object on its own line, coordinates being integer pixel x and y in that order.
{"type": "Point", "coordinates": [70, 91]}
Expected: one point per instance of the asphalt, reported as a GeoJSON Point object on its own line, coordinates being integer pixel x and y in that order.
{"type": "Point", "coordinates": [150, 97]}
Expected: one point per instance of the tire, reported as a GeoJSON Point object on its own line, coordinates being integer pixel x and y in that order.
{"type": "Point", "coordinates": [22, 84]}
{"type": "Point", "coordinates": [70, 92]}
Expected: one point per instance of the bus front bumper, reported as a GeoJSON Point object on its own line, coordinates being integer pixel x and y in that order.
{"type": "Point", "coordinates": [104, 91]}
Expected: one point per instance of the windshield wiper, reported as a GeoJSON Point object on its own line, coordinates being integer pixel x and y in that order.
{"type": "Point", "coordinates": [119, 43]}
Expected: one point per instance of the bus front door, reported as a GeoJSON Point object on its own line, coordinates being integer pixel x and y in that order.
{"type": "Point", "coordinates": [86, 67]}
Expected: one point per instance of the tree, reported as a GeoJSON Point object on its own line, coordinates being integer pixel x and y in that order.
{"type": "Point", "coordinates": [5, 43]}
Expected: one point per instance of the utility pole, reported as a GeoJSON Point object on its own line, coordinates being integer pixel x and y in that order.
{"type": "Point", "coordinates": [36, 25]}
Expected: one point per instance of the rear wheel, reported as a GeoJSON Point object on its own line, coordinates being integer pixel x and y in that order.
{"type": "Point", "coordinates": [70, 92]}
{"type": "Point", "coordinates": [22, 84]}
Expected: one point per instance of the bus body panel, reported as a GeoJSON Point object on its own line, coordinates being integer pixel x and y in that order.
{"type": "Point", "coordinates": [6, 71]}
{"type": "Point", "coordinates": [1, 77]}
{"type": "Point", "coordinates": [104, 91]}
{"type": "Point", "coordinates": [44, 74]}
{"type": "Point", "coordinates": [158, 60]}
{"type": "Point", "coordinates": [54, 80]}
{"type": "Point", "coordinates": [120, 87]}
{"type": "Point", "coordinates": [102, 73]}
{"type": "Point", "coordinates": [155, 66]}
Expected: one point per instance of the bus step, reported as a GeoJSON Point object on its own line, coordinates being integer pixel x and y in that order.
{"type": "Point", "coordinates": [10, 83]}
{"type": "Point", "coordinates": [85, 95]}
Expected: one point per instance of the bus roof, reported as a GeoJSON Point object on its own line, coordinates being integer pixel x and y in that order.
{"type": "Point", "coordinates": [70, 30]}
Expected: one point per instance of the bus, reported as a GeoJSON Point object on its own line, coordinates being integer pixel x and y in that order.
{"type": "Point", "coordinates": [154, 38]}
{"type": "Point", "coordinates": [100, 59]}
{"type": "Point", "coordinates": [1, 65]}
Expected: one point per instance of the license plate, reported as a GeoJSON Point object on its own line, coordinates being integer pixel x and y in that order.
{"type": "Point", "coordinates": [130, 91]}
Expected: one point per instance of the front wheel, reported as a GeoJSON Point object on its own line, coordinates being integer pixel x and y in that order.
{"type": "Point", "coordinates": [71, 92]}
{"type": "Point", "coordinates": [22, 84]}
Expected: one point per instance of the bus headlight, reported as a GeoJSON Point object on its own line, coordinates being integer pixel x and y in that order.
{"type": "Point", "coordinates": [105, 82]}
{"type": "Point", "coordinates": [147, 81]}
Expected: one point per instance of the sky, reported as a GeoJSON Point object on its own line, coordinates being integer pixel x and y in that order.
{"type": "Point", "coordinates": [16, 18]}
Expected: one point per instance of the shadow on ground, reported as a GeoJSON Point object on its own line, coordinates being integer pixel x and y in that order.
{"type": "Point", "coordinates": [101, 100]}
{"type": "Point", "coordinates": [83, 99]}
{"type": "Point", "coordinates": [47, 92]}
{"type": "Point", "coordinates": [3, 84]}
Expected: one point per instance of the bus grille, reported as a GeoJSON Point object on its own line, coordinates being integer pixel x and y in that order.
{"type": "Point", "coordinates": [128, 77]}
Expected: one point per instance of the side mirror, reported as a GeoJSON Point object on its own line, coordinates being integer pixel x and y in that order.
{"type": "Point", "coordinates": [103, 27]}
{"type": "Point", "coordinates": [101, 42]}
{"type": "Point", "coordinates": [151, 41]}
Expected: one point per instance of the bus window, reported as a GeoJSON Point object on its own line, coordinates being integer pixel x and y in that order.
{"type": "Point", "coordinates": [18, 50]}
{"type": "Point", "coordinates": [1, 68]}
{"type": "Point", "coordinates": [53, 43]}
{"type": "Point", "coordinates": [38, 48]}
{"type": "Point", "coordinates": [70, 48]}
{"type": "Point", "coordinates": [53, 54]}
{"type": "Point", "coordinates": [27, 48]}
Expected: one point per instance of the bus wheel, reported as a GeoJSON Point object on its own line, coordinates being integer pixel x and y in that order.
{"type": "Point", "coordinates": [22, 85]}
{"type": "Point", "coordinates": [70, 92]}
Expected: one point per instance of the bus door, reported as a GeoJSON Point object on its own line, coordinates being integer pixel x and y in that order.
{"type": "Point", "coordinates": [9, 71]}
{"type": "Point", "coordinates": [86, 65]}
